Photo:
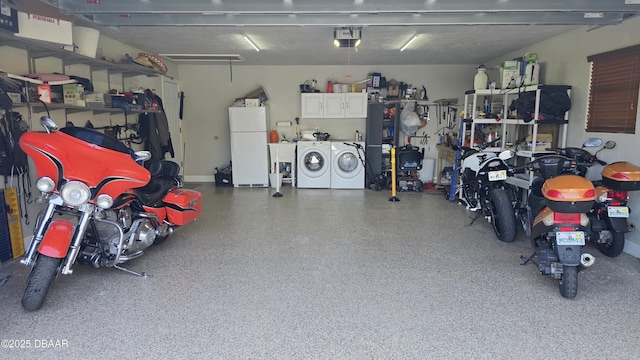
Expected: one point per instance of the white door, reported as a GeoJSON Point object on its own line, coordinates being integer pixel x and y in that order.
{"type": "Point", "coordinates": [356, 105]}
{"type": "Point", "coordinates": [311, 106]}
{"type": "Point", "coordinates": [334, 105]}
{"type": "Point", "coordinates": [250, 159]}
{"type": "Point", "coordinates": [171, 103]}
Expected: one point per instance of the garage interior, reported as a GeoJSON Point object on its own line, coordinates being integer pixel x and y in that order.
{"type": "Point", "coordinates": [329, 273]}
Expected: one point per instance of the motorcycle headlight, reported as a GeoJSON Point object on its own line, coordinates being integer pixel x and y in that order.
{"type": "Point", "coordinates": [104, 201]}
{"type": "Point", "coordinates": [75, 193]}
{"type": "Point", "coordinates": [45, 184]}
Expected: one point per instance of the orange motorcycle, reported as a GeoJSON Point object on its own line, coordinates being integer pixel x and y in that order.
{"type": "Point", "coordinates": [102, 207]}
{"type": "Point", "coordinates": [556, 221]}
{"type": "Point", "coordinates": [609, 217]}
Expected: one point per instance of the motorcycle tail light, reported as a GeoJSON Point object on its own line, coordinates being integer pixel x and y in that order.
{"type": "Point", "coordinates": [104, 201]}
{"type": "Point", "coordinates": [494, 163]}
{"type": "Point", "coordinates": [75, 193]}
{"type": "Point", "coordinates": [562, 218]}
{"type": "Point", "coordinates": [555, 194]}
{"type": "Point", "coordinates": [45, 184]}
{"type": "Point", "coordinates": [589, 194]}
{"type": "Point", "coordinates": [617, 195]}
{"type": "Point", "coordinates": [620, 175]}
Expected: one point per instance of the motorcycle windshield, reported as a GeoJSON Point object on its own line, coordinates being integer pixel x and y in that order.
{"type": "Point", "coordinates": [66, 158]}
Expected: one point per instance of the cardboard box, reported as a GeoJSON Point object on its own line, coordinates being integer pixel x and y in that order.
{"type": "Point", "coordinates": [393, 88]}
{"type": "Point", "coordinates": [45, 28]}
{"type": "Point", "coordinates": [510, 74]}
{"type": "Point", "coordinates": [16, 98]}
{"type": "Point", "coordinates": [72, 93]}
{"type": "Point", "coordinates": [359, 87]}
{"type": "Point", "coordinates": [251, 102]}
{"type": "Point", "coordinates": [543, 141]}
{"type": "Point", "coordinates": [258, 93]}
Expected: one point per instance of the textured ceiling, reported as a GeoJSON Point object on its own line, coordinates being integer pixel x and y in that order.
{"type": "Point", "coordinates": [313, 45]}
{"type": "Point", "coordinates": [300, 32]}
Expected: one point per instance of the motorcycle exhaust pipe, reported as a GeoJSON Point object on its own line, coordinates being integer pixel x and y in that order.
{"type": "Point", "coordinates": [587, 259]}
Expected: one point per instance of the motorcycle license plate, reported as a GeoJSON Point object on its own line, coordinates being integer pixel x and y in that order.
{"type": "Point", "coordinates": [497, 175]}
{"type": "Point", "coordinates": [570, 238]}
{"type": "Point", "coordinates": [618, 211]}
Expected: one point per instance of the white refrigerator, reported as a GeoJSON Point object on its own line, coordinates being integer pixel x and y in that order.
{"type": "Point", "coordinates": [249, 151]}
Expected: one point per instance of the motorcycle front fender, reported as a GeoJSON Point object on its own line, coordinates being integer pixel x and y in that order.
{"type": "Point", "coordinates": [569, 255]}
{"type": "Point", "coordinates": [57, 239]}
{"type": "Point", "coordinates": [618, 225]}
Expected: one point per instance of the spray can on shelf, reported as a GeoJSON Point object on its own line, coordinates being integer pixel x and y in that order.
{"type": "Point", "coordinates": [357, 136]}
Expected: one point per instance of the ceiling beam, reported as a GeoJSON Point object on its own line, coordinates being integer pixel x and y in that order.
{"type": "Point", "coordinates": [360, 20]}
{"type": "Point", "coordinates": [89, 7]}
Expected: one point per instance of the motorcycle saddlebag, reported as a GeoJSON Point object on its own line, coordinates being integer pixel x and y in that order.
{"type": "Point", "coordinates": [569, 194]}
{"type": "Point", "coordinates": [183, 206]}
{"type": "Point", "coordinates": [623, 176]}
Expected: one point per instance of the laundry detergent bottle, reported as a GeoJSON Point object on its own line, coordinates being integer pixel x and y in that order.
{"type": "Point", "coordinates": [273, 136]}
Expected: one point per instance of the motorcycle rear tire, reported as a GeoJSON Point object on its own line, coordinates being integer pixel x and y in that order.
{"type": "Point", "coordinates": [569, 282]}
{"type": "Point", "coordinates": [614, 247]}
{"type": "Point", "coordinates": [42, 275]}
{"type": "Point", "coordinates": [503, 217]}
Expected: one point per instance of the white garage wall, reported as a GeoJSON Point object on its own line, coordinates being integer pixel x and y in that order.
{"type": "Point", "coordinates": [564, 61]}
{"type": "Point", "coordinates": [209, 91]}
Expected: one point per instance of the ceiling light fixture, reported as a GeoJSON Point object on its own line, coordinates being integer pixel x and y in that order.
{"type": "Point", "coordinates": [252, 43]}
{"type": "Point", "coordinates": [347, 37]}
{"type": "Point", "coordinates": [202, 57]}
{"type": "Point", "coordinates": [408, 42]}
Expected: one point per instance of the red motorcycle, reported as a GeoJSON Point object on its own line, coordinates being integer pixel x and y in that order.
{"type": "Point", "coordinates": [102, 206]}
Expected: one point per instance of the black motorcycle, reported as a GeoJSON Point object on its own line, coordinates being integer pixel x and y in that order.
{"type": "Point", "coordinates": [484, 190]}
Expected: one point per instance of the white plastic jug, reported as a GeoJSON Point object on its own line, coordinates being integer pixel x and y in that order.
{"type": "Point", "coordinates": [481, 79]}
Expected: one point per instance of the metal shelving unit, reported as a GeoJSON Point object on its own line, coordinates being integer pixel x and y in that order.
{"type": "Point", "coordinates": [475, 98]}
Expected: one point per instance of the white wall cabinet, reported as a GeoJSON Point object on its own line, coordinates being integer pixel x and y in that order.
{"type": "Point", "coordinates": [333, 105]}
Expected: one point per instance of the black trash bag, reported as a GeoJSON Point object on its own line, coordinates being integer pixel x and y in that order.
{"type": "Point", "coordinates": [554, 103]}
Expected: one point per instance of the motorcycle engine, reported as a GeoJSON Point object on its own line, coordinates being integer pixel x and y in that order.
{"type": "Point", "coordinates": [138, 234]}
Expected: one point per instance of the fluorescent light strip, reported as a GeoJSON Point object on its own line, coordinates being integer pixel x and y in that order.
{"type": "Point", "coordinates": [408, 42]}
{"type": "Point", "coordinates": [252, 43]}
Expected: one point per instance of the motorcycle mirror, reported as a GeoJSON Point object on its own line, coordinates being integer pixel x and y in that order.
{"type": "Point", "coordinates": [48, 124]}
{"type": "Point", "coordinates": [592, 142]}
{"type": "Point", "coordinates": [610, 144]}
{"type": "Point", "coordinates": [142, 155]}
{"type": "Point", "coordinates": [506, 154]}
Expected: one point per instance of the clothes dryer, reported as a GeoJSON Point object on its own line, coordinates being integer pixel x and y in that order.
{"type": "Point", "coordinates": [314, 164]}
{"type": "Point", "coordinates": [347, 164]}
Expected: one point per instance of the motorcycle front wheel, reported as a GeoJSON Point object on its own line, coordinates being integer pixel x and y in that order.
{"type": "Point", "coordinates": [613, 247]}
{"type": "Point", "coordinates": [569, 282]}
{"type": "Point", "coordinates": [42, 275]}
{"type": "Point", "coordinates": [503, 217]}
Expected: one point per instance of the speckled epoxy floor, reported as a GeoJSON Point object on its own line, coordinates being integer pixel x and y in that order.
{"type": "Point", "coordinates": [329, 274]}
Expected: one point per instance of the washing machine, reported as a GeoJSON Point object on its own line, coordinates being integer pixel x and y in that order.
{"type": "Point", "coordinates": [314, 164]}
{"type": "Point", "coordinates": [347, 164]}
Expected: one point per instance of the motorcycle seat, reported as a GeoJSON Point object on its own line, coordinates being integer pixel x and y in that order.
{"type": "Point", "coordinates": [164, 176]}
{"type": "Point", "coordinates": [164, 168]}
